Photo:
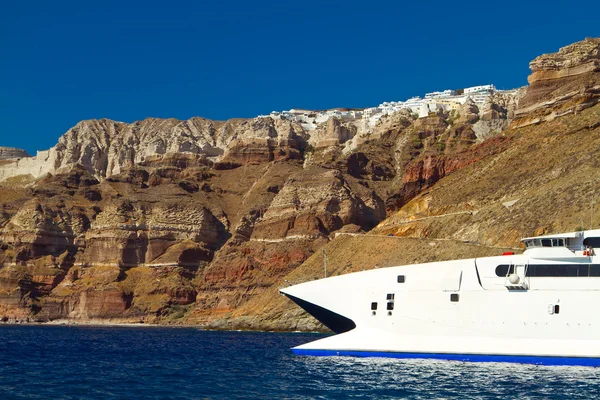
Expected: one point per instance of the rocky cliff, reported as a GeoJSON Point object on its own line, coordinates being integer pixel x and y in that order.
{"type": "Point", "coordinates": [7, 153]}
{"type": "Point", "coordinates": [105, 148]}
{"type": "Point", "coordinates": [561, 83]}
{"type": "Point", "coordinates": [199, 221]}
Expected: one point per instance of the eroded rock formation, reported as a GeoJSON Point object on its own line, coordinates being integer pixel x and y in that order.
{"type": "Point", "coordinates": [11, 152]}
{"type": "Point", "coordinates": [561, 83]}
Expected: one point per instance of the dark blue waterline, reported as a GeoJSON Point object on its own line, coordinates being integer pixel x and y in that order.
{"type": "Point", "coordinates": [537, 360]}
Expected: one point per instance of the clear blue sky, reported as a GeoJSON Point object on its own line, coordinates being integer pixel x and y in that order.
{"type": "Point", "coordinates": [64, 61]}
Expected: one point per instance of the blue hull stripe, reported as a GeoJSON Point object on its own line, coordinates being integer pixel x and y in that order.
{"type": "Point", "coordinates": [540, 360]}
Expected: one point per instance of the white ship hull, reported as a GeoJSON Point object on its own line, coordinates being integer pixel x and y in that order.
{"type": "Point", "coordinates": [464, 310]}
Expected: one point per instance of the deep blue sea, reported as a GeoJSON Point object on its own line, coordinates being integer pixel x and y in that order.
{"type": "Point", "coordinates": [62, 362]}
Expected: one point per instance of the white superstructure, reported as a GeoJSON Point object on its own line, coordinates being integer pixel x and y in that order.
{"type": "Point", "coordinates": [535, 307]}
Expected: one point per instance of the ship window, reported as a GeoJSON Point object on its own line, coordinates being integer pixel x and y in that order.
{"type": "Point", "coordinates": [592, 242]}
{"type": "Point", "coordinates": [556, 309]}
{"type": "Point", "coordinates": [502, 270]}
{"type": "Point", "coordinates": [401, 279]}
{"type": "Point", "coordinates": [546, 242]}
{"type": "Point", "coordinates": [374, 306]}
{"type": "Point", "coordinates": [454, 297]}
{"type": "Point", "coordinates": [390, 296]}
{"type": "Point", "coordinates": [553, 270]}
{"type": "Point", "coordinates": [390, 306]}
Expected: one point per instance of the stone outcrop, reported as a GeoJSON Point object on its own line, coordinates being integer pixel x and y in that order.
{"type": "Point", "coordinates": [7, 153]}
{"type": "Point", "coordinates": [497, 114]}
{"type": "Point", "coordinates": [316, 202]}
{"type": "Point", "coordinates": [333, 133]}
{"type": "Point", "coordinates": [561, 83]}
{"type": "Point", "coordinates": [264, 139]}
{"type": "Point", "coordinates": [574, 59]}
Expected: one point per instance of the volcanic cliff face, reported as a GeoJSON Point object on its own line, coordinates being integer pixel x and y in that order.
{"type": "Point", "coordinates": [561, 83]}
{"type": "Point", "coordinates": [7, 153]}
{"type": "Point", "coordinates": [537, 177]}
{"type": "Point", "coordinates": [105, 148]}
{"type": "Point", "coordinates": [200, 221]}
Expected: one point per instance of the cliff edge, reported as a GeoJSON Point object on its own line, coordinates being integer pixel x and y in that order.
{"type": "Point", "coordinates": [561, 83]}
{"type": "Point", "coordinates": [7, 153]}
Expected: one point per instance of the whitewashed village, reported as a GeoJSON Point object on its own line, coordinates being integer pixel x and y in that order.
{"type": "Point", "coordinates": [446, 100]}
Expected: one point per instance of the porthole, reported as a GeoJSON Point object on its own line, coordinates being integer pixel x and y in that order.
{"type": "Point", "coordinates": [454, 297]}
{"type": "Point", "coordinates": [390, 305]}
{"type": "Point", "coordinates": [374, 306]}
{"type": "Point", "coordinates": [401, 278]}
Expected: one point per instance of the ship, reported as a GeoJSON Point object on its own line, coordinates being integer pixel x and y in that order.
{"type": "Point", "coordinates": [537, 307]}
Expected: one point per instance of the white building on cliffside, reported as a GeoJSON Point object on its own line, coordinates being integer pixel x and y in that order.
{"type": "Point", "coordinates": [438, 95]}
{"type": "Point", "coordinates": [445, 100]}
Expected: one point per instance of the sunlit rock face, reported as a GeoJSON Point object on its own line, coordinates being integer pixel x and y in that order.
{"type": "Point", "coordinates": [105, 148]}
{"type": "Point", "coordinates": [7, 153]}
{"type": "Point", "coordinates": [561, 83]}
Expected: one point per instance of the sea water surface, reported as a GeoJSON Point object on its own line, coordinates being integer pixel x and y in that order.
{"type": "Point", "coordinates": [75, 362]}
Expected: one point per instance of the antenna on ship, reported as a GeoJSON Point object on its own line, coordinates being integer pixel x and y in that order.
{"type": "Point", "coordinates": [592, 211]}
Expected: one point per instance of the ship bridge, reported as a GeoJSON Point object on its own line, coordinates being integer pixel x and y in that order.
{"type": "Point", "coordinates": [579, 243]}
